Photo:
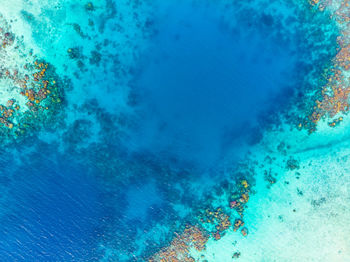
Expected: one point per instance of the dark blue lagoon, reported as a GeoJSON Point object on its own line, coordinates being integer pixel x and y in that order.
{"type": "Point", "coordinates": [202, 84]}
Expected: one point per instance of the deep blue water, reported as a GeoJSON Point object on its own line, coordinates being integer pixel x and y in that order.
{"type": "Point", "coordinates": [56, 212]}
{"type": "Point", "coordinates": [202, 85]}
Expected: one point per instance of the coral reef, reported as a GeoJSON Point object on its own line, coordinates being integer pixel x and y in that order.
{"type": "Point", "coordinates": [214, 221]}
{"type": "Point", "coordinates": [31, 92]}
{"type": "Point", "coordinates": [217, 220]}
{"type": "Point", "coordinates": [334, 96]}
{"type": "Point", "coordinates": [179, 248]}
{"type": "Point", "coordinates": [239, 198]}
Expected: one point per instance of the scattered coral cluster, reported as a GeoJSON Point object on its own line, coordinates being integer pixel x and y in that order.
{"type": "Point", "coordinates": [217, 220]}
{"type": "Point", "coordinates": [179, 248]}
{"type": "Point", "coordinates": [28, 88]}
{"type": "Point", "coordinates": [334, 98]}
{"type": "Point", "coordinates": [238, 202]}
{"type": "Point", "coordinates": [239, 199]}
{"type": "Point", "coordinates": [214, 224]}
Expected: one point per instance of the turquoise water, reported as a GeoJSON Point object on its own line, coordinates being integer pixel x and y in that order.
{"type": "Point", "coordinates": [161, 103]}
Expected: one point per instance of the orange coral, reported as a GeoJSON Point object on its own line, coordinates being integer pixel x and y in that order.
{"type": "Point", "coordinates": [238, 203]}
{"type": "Point", "coordinates": [238, 223]}
{"type": "Point", "coordinates": [179, 248]}
{"type": "Point", "coordinates": [335, 94]}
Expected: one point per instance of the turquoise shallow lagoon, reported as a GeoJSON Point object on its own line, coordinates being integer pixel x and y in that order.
{"type": "Point", "coordinates": [179, 130]}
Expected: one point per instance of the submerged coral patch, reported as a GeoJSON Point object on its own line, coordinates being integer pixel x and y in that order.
{"type": "Point", "coordinates": [330, 100]}
{"type": "Point", "coordinates": [31, 91]}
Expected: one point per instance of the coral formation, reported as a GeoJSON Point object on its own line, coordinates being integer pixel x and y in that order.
{"type": "Point", "coordinates": [30, 89]}
{"type": "Point", "coordinates": [240, 197]}
{"type": "Point", "coordinates": [215, 222]}
{"type": "Point", "coordinates": [334, 96]}
{"type": "Point", "coordinates": [179, 248]}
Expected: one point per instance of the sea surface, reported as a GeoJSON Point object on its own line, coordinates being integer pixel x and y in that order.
{"type": "Point", "coordinates": [174, 130]}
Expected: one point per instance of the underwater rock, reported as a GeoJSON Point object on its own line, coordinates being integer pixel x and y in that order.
{"type": "Point", "coordinates": [244, 231]}
{"type": "Point", "coordinates": [89, 6]}
{"type": "Point", "coordinates": [292, 164]}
